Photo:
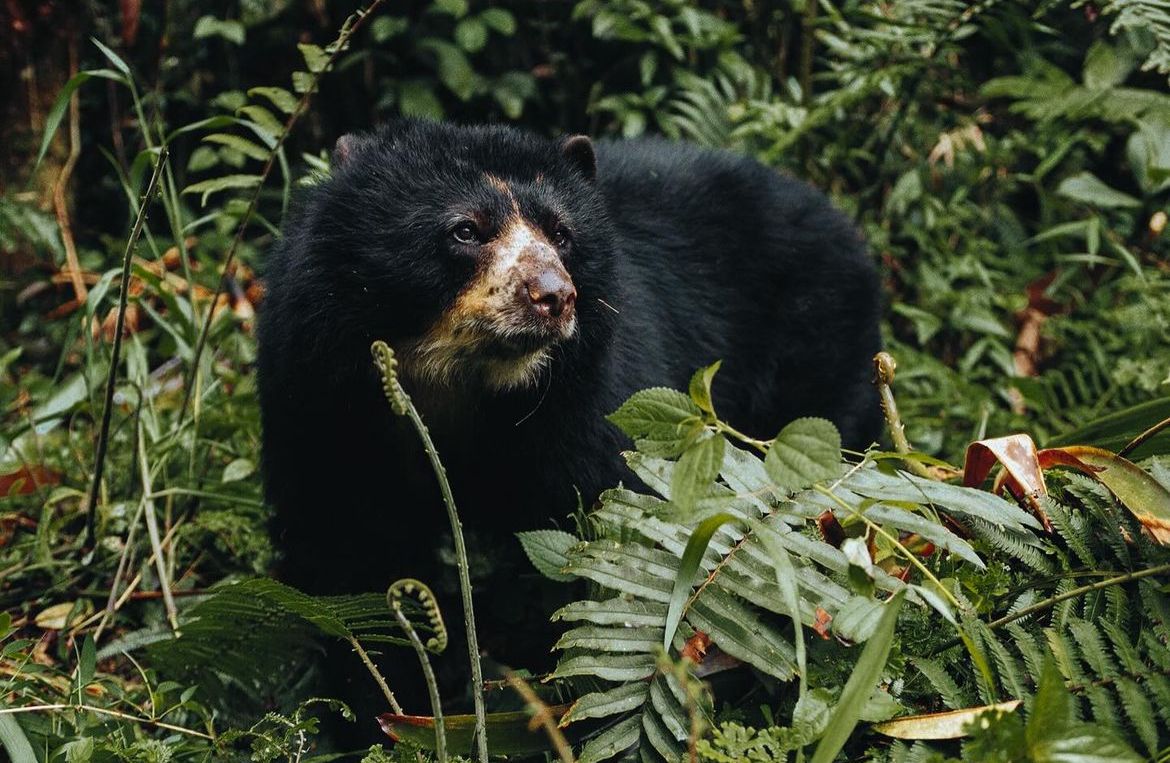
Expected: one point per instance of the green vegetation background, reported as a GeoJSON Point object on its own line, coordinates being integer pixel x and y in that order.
{"type": "Point", "coordinates": [1009, 163]}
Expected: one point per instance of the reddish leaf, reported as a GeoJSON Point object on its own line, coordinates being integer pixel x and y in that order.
{"type": "Point", "coordinates": [1146, 498]}
{"type": "Point", "coordinates": [696, 647]}
{"type": "Point", "coordinates": [1022, 470]}
{"type": "Point", "coordinates": [26, 480]}
{"type": "Point", "coordinates": [822, 622]}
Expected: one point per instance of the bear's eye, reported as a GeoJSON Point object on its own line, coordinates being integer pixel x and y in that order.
{"type": "Point", "coordinates": [465, 233]}
{"type": "Point", "coordinates": [560, 237]}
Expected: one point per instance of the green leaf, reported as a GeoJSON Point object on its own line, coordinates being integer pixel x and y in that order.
{"type": "Point", "coordinates": [243, 145]}
{"type": "Point", "coordinates": [655, 414]}
{"type": "Point", "coordinates": [316, 59]}
{"type": "Point", "coordinates": [263, 119]}
{"type": "Point", "coordinates": [210, 26]}
{"type": "Point", "coordinates": [388, 27]}
{"type": "Point", "coordinates": [456, 8]}
{"type": "Point", "coordinates": [616, 739]}
{"type": "Point", "coordinates": [509, 733]}
{"type": "Point", "coordinates": [1087, 188]}
{"type": "Point", "coordinates": [227, 182]}
{"type": "Point", "coordinates": [57, 112]}
{"type": "Point", "coordinates": [471, 34]}
{"type": "Point", "coordinates": [684, 579]}
{"type": "Point", "coordinates": [695, 472]}
{"type": "Point", "coordinates": [86, 662]}
{"type": "Point", "coordinates": [860, 685]}
{"type": "Point", "coordinates": [238, 470]}
{"type": "Point", "coordinates": [805, 452]}
{"type": "Point", "coordinates": [500, 20]}
{"type": "Point", "coordinates": [14, 741]}
{"type": "Point", "coordinates": [700, 386]}
{"type": "Point", "coordinates": [1055, 736]}
{"type": "Point", "coordinates": [114, 59]}
{"type": "Point", "coordinates": [603, 704]}
{"type": "Point", "coordinates": [417, 99]}
{"type": "Point", "coordinates": [281, 98]}
{"type": "Point", "coordinates": [547, 550]}
{"type": "Point", "coordinates": [790, 597]}
{"type": "Point", "coordinates": [454, 69]}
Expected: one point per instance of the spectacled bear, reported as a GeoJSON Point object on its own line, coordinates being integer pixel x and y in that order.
{"type": "Point", "coordinates": [528, 287]}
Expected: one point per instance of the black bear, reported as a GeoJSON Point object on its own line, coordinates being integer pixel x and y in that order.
{"type": "Point", "coordinates": [528, 287]}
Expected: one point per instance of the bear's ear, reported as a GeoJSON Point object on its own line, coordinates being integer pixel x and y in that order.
{"type": "Point", "coordinates": [578, 149]}
{"type": "Point", "coordinates": [346, 148]}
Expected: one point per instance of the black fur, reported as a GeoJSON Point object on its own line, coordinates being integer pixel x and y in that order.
{"type": "Point", "coordinates": [680, 256]}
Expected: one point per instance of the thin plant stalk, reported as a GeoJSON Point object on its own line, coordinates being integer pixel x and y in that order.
{"type": "Point", "coordinates": [385, 687]}
{"type": "Point", "coordinates": [542, 715]}
{"type": "Point", "coordinates": [429, 676]}
{"type": "Point", "coordinates": [160, 562]}
{"type": "Point", "coordinates": [116, 350]}
{"type": "Point", "coordinates": [883, 377]}
{"type": "Point", "coordinates": [401, 404]}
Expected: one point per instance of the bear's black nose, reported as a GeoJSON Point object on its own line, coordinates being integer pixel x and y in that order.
{"type": "Point", "coordinates": [551, 293]}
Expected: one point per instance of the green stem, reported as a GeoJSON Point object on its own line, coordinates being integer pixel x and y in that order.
{"type": "Point", "coordinates": [883, 377]}
{"type": "Point", "coordinates": [429, 677]}
{"type": "Point", "coordinates": [365, 658]}
{"type": "Point", "coordinates": [402, 405]}
{"type": "Point", "coordinates": [116, 351]}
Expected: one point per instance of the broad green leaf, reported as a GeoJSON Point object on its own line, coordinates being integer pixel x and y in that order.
{"type": "Point", "coordinates": [453, 68]}
{"type": "Point", "coordinates": [57, 111]}
{"type": "Point", "coordinates": [316, 59]}
{"type": "Point", "coordinates": [695, 471]}
{"type": "Point", "coordinates": [263, 118]}
{"type": "Point", "coordinates": [417, 99]}
{"type": "Point", "coordinates": [603, 704]}
{"type": "Point", "coordinates": [500, 20]}
{"type": "Point", "coordinates": [700, 386]}
{"type": "Point", "coordinates": [471, 34]}
{"type": "Point", "coordinates": [696, 548]}
{"type": "Point", "coordinates": [508, 733]}
{"type": "Point", "coordinates": [1114, 431]}
{"type": "Point", "coordinates": [860, 685]}
{"type": "Point", "coordinates": [210, 26]}
{"type": "Point", "coordinates": [1087, 188]}
{"type": "Point", "coordinates": [238, 469]}
{"type": "Point", "coordinates": [456, 8]}
{"type": "Point", "coordinates": [224, 183]}
{"type": "Point", "coordinates": [657, 413]}
{"type": "Point", "coordinates": [740, 632]}
{"type": "Point", "coordinates": [616, 739]}
{"type": "Point", "coordinates": [951, 498]}
{"type": "Point", "coordinates": [617, 640]}
{"type": "Point", "coordinates": [547, 550]}
{"type": "Point", "coordinates": [618, 611]}
{"type": "Point", "coordinates": [387, 27]}
{"type": "Point", "coordinates": [805, 452]}
{"type": "Point", "coordinates": [243, 145]}
{"type": "Point", "coordinates": [610, 667]}
{"type": "Point", "coordinates": [281, 98]}
{"type": "Point", "coordinates": [786, 581]}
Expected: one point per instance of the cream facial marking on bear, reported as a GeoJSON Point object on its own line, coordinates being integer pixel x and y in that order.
{"type": "Point", "coordinates": [491, 307]}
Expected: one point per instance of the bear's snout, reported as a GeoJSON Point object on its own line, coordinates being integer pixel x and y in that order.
{"type": "Point", "coordinates": [550, 293]}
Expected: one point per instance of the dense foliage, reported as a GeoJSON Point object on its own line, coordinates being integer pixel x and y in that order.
{"type": "Point", "coordinates": [772, 600]}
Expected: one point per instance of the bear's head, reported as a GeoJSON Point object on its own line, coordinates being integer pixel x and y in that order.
{"type": "Point", "coordinates": [480, 254]}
